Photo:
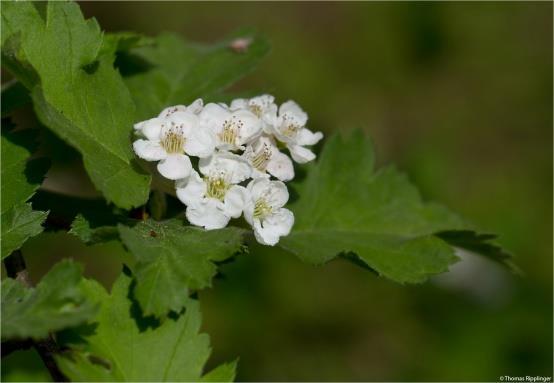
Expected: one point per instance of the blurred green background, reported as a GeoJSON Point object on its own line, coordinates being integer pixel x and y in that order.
{"type": "Point", "coordinates": [459, 96]}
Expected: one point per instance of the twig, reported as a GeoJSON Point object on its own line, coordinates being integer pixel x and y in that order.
{"type": "Point", "coordinates": [16, 268]}
{"type": "Point", "coordinates": [46, 348]}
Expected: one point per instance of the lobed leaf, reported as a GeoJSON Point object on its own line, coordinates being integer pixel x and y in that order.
{"type": "Point", "coordinates": [182, 71]}
{"type": "Point", "coordinates": [20, 223]}
{"type": "Point", "coordinates": [124, 346]}
{"type": "Point", "coordinates": [345, 206]}
{"type": "Point", "coordinates": [57, 302]}
{"type": "Point", "coordinates": [223, 373]}
{"type": "Point", "coordinates": [81, 228]}
{"type": "Point", "coordinates": [21, 177]}
{"type": "Point", "coordinates": [76, 92]}
{"type": "Point", "coordinates": [173, 259]}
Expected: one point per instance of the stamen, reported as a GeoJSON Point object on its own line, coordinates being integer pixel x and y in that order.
{"type": "Point", "coordinates": [261, 159]}
{"type": "Point", "coordinates": [262, 209]}
{"type": "Point", "coordinates": [256, 109]}
{"type": "Point", "coordinates": [291, 126]}
{"type": "Point", "coordinates": [230, 132]}
{"type": "Point", "coordinates": [174, 140]}
{"type": "Point", "coordinates": [217, 187]}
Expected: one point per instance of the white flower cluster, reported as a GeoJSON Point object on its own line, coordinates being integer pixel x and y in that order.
{"type": "Point", "coordinates": [240, 168]}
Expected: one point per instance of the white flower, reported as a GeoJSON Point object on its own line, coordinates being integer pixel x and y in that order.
{"type": "Point", "coordinates": [289, 127]}
{"type": "Point", "coordinates": [195, 107]}
{"type": "Point", "coordinates": [232, 129]}
{"type": "Point", "coordinates": [264, 210]}
{"type": "Point", "coordinates": [234, 166]}
{"type": "Point", "coordinates": [264, 157]}
{"type": "Point", "coordinates": [169, 140]}
{"type": "Point", "coordinates": [262, 106]}
{"type": "Point", "coordinates": [211, 200]}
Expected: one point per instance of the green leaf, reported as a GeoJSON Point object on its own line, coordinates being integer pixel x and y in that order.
{"type": "Point", "coordinates": [345, 206]}
{"type": "Point", "coordinates": [20, 179]}
{"type": "Point", "coordinates": [223, 373]}
{"type": "Point", "coordinates": [124, 346]}
{"type": "Point", "coordinates": [482, 244]}
{"type": "Point", "coordinates": [124, 41]}
{"type": "Point", "coordinates": [81, 228]}
{"type": "Point", "coordinates": [19, 224]}
{"type": "Point", "coordinates": [184, 71]}
{"type": "Point", "coordinates": [78, 93]}
{"type": "Point", "coordinates": [57, 302]}
{"type": "Point", "coordinates": [173, 259]}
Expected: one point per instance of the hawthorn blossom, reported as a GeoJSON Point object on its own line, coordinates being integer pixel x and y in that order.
{"type": "Point", "coordinates": [170, 138]}
{"type": "Point", "coordinates": [264, 210]}
{"type": "Point", "coordinates": [262, 106]}
{"type": "Point", "coordinates": [288, 126]}
{"type": "Point", "coordinates": [233, 144]}
{"type": "Point", "coordinates": [232, 129]}
{"type": "Point", "coordinates": [265, 158]}
{"type": "Point", "coordinates": [212, 200]}
{"type": "Point", "coordinates": [234, 166]}
{"type": "Point", "coordinates": [195, 108]}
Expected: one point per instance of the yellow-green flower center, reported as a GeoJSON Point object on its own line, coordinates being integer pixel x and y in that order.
{"type": "Point", "coordinates": [173, 141]}
{"type": "Point", "coordinates": [256, 109]}
{"type": "Point", "coordinates": [262, 209]}
{"type": "Point", "coordinates": [229, 133]}
{"type": "Point", "coordinates": [261, 159]}
{"type": "Point", "coordinates": [217, 187]}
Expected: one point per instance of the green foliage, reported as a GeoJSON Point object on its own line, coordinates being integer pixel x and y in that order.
{"type": "Point", "coordinates": [20, 179]}
{"type": "Point", "coordinates": [173, 259]}
{"type": "Point", "coordinates": [19, 224]}
{"type": "Point", "coordinates": [147, 329]}
{"type": "Point", "coordinates": [222, 373]}
{"type": "Point", "coordinates": [57, 302]}
{"type": "Point", "coordinates": [81, 228]}
{"type": "Point", "coordinates": [182, 71]}
{"type": "Point", "coordinates": [345, 206]}
{"type": "Point", "coordinates": [122, 345]}
{"type": "Point", "coordinates": [76, 92]}
{"type": "Point", "coordinates": [481, 244]}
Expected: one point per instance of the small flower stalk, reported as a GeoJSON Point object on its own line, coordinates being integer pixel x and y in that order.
{"type": "Point", "coordinates": [241, 169]}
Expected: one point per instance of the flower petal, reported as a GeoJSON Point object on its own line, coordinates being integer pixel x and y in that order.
{"type": "Point", "coordinates": [249, 209]}
{"type": "Point", "coordinates": [191, 191]}
{"type": "Point", "coordinates": [200, 142]}
{"type": "Point", "coordinates": [238, 103]}
{"type": "Point", "coordinates": [151, 129]}
{"type": "Point", "coordinates": [186, 119]}
{"type": "Point", "coordinates": [213, 116]}
{"type": "Point", "coordinates": [307, 137]}
{"type": "Point", "coordinates": [196, 106]}
{"type": "Point", "coordinates": [207, 214]}
{"type": "Point", "coordinates": [301, 154]}
{"type": "Point", "coordinates": [230, 164]}
{"type": "Point", "coordinates": [171, 109]}
{"type": "Point", "coordinates": [280, 166]}
{"type": "Point", "coordinates": [274, 192]}
{"type": "Point", "coordinates": [235, 200]}
{"type": "Point", "coordinates": [175, 166]}
{"type": "Point", "coordinates": [149, 150]}
{"type": "Point", "coordinates": [268, 231]}
{"type": "Point", "coordinates": [251, 125]}
{"type": "Point", "coordinates": [293, 110]}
